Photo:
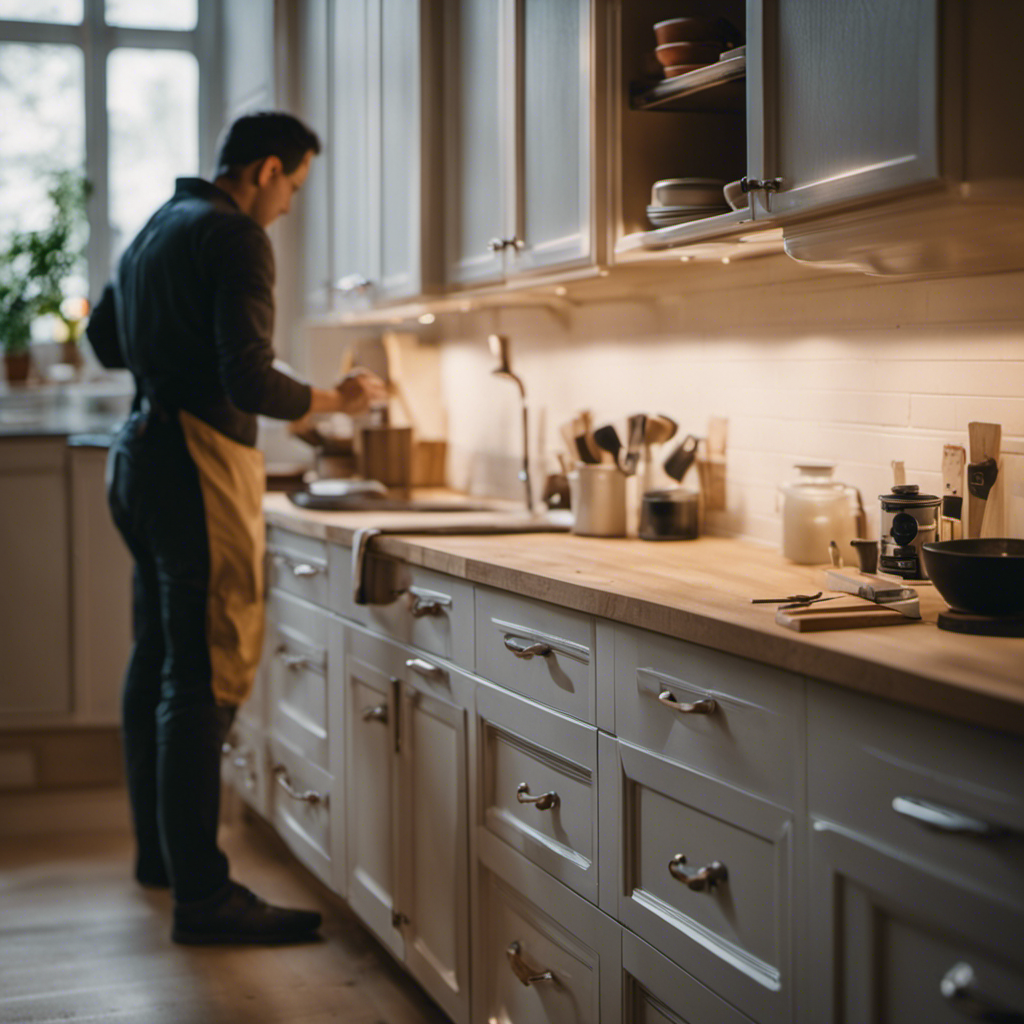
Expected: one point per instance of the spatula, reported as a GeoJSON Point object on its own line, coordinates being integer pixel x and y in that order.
{"type": "Point", "coordinates": [981, 472]}
{"type": "Point", "coordinates": [607, 438]}
{"type": "Point", "coordinates": [951, 521]}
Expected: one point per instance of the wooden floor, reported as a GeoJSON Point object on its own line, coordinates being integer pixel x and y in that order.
{"type": "Point", "coordinates": [81, 942]}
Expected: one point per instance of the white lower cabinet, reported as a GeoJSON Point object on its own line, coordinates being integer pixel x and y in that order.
{"type": "Point", "coordinates": [543, 954]}
{"type": "Point", "coordinates": [656, 991]}
{"type": "Point", "coordinates": [703, 872]}
{"type": "Point", "coordinates": [895, 942]}
{"type": "Point", "coordinates": [408, 739]}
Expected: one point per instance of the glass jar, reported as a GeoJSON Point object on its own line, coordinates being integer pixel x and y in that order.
{"type": "Point", "coordinates": [816, 510]}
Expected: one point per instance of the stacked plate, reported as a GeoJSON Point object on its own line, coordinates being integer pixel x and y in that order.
{"type": "Point", "coordinates": [677, 200]}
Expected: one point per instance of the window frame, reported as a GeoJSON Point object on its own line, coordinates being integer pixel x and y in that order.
{"type": "Point", "coordinates": [96, 39]}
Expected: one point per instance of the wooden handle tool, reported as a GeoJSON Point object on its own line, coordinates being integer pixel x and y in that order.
{"type": "Point", "coordinates": [954, 458]}
{"type": "Point", "coordinates": [982, 470]}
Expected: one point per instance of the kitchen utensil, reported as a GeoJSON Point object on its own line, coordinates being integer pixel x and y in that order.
{"type": "Point", "coordinates": [687, 53]}
{"type": "Point", "coordinates": [876, 589]}
{"type": "Point", "coordinates": [908, 520]}
{"type": "Point", "coordinates": [854, 615]}
{"type": "Point", "coordinates": [792, 599]}
{"type": "Point", "coordinates": [687, 192]}
{"type": "Point", "coordinates": [981, 471]}
{"type": "Point", "coordinates": [951, 522]}
{"type": "Point", "coordinates": [584, 451]}
{"type": "Point", "coordinates": [867, 553]}
{"type": "Point", "coordinates": [607, 438]}
{"type": "Point", "coordinates": [815, 511]}
{"type": "Point", "coordinates": [637, 425]}
{"type": "Point", "coordinates": [681, 30]}
{"type": "Point", "coordinates": [669, 515]}
{"type": "Point", "coordinates": [682, 458]}
{"type": "Point", "coordinates": [979, 576]}
{"type": "Point", "coordinates": [658, 430]}
{"type": "Point", "coordinates": [597, 497]}
{"type": "Point", "coordinates": [807, 603]}
{"type": "Point", "coordinates": [833, 554]}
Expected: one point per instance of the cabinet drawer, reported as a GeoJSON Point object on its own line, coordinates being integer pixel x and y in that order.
{"type": "Point", "coordinates": [532, 924]}
{"type": "Point", "coordinates": [658, 992]}
{"type": "Point", "coordinates": [244, 765]}
{"type": "Point", "coordinates": [732, 932]}
{"type": "Point", "coordinates": [539, 650]}
{"type": "Point", "coordinates": [555, 758]}
{"type": "Point", "coordinates": [894, 941]}
{"type": "Point", "coordinates": [433, 612]}
{"type": "Point", "coordinates": [300, 806]}
{"type": "Point", "coordinates": [296, 674]}
{"type": "Point", "coordinates": [752, 737]}
{"type": "Point", "coordinates": [298, 565]}
{"type": "Point", "coordinates": [937, 790]}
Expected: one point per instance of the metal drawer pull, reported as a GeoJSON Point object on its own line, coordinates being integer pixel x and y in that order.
{"type": "Point", "coordinates": [706, 878]}
{"type": "Point", "coordinates": [523, 649]}
{"type": "Point", "coordinates": [243, 759]}
{"type": "Point", "coordinates": [299, 569]}
{"type": "Point", "coordinates": [425, 669]}
{"type": "Point", "coordinates": [522, 970]}
{"type": "Point", "coordinates": [377, 714]}
{"type": "Point", "coordinates": [707, 706]}
{"type": "Point", "coordinates": [958, 987]}
{"type": "Point", "coordinates": [944, 819]}
{"type": "Point", "coordinates": [308, 796]}
{"type": "Point", "coordinates": [294, 661]}
{"type": "Point", "coordinates": [420, 605]}
{"type": "Point", "coordinates": [544, 802]}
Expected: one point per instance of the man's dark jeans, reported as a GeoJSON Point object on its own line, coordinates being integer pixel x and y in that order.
{"type": "Point", "coordinates": [173, 727]}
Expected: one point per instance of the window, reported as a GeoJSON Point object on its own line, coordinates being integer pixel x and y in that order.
{"type": "Point", "coordinates": [111, 87]}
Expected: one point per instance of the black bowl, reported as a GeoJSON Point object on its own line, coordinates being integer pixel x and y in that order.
{"type": "Point", "coordinates": [983, 576]}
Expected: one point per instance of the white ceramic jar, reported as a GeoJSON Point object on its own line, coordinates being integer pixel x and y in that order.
{"type": "Point", "coordinates": [816, 510]}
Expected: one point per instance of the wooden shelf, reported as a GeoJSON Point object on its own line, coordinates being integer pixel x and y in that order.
{"type": "Point", "coordinates": [715, 87]}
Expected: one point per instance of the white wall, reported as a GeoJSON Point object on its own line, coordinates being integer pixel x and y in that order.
{"type": "Point", "coordinates": [843, 367]}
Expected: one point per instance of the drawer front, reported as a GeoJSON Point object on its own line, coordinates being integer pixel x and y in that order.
{"type": "Point", "coordinates": [300, 807]}
{"type": "Point", "coordinates": [894, 941]}
{"type": "Point", "coordinates": [433, 612]}
{"type": "Point", "coordinates": [244, 765]}
{"type": "Point", "coordinates": [703, 872]}
{"type": "Point", "coordinates": [296, 672]}
{"type": "Point", "coordinates": [659, 992]}
{"type": "Point", "coordinates": [931, 788]}
{"type": "Point", "coordinates": [733, 719]}
{"type": "Point", "coordinates": [542, 651]}
{"type": "Point", "coordinates": [532, 925]}
{"type": "Point", "coordinates": [538, 786]}
{"type": "Point", "coordinates": [298, 565]}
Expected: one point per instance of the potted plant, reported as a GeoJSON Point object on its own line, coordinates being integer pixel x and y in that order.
{"type": "Point", "coordinates": [34, 269]}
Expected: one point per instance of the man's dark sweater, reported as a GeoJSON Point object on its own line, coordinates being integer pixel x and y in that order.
{"type": "Point", "coordinates": [191, 314]}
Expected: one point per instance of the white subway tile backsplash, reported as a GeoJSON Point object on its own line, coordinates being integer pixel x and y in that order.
{"type": "Point", "coordinates": [846, 369]}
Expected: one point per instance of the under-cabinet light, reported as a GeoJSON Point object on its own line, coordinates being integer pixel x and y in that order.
{"type": "Point", "coordinates": [426, 318]}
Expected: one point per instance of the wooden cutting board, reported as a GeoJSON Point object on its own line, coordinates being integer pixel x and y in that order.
{"type": "Point", "coordinates": [854, 614]}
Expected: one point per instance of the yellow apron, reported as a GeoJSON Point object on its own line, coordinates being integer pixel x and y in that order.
{"type": "Point", "coordinates": [232, 479]}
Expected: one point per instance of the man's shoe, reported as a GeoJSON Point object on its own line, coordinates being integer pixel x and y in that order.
{"type": "Point", "coordinates": [233, 915]}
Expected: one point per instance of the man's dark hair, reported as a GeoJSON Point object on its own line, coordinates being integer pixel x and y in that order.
{"type": "Point", "coordinates": [267, 133]}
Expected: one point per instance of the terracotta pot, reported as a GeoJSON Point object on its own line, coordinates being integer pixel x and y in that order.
{"type": "Point", "coordinates": [17, 365]}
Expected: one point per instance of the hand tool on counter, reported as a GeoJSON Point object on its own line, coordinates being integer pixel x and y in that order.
{"type": "Point", "coordinates": [954, 458]}
{"type": "Point", "coordinates": [607, 438]}
{"type": "Point", "coordinates": [637, 425]}
{"type": "Point", "coordinates": [877, 590]}
{"type": "Point", "coordinates": [658, 429]}
{"type": "Point", "coordinates": [682, 458]}
{"type": "Point", "coordinates": [982, 471]}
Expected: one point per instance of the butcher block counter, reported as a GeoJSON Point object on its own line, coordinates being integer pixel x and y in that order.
{"type": "Point", "coordinates": [701, 591]}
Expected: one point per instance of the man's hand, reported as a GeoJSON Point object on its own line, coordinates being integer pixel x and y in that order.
{"type": "Point", "coordinates": [360, 389]}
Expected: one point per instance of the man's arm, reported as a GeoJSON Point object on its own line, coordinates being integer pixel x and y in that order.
{"type": "Point", "coordinates": [102, 332]}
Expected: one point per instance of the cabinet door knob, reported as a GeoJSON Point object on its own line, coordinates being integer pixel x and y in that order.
{"type": "Point", "coordinates": [524, 649]}
{"type": "Point", "coordinates": [959, 988]}
{"type": "Point", "coordinates": [299, 569]}
{"type": "Point", "coordinates": [302, 796]}
{"type": "Point", "coordinates": [522, 970]}
{"type": "Point", "coordinates": [705, 878]}
{"type": "Point", "coordinates": [543, 802]}
{"type": "Point", "coordinates": [377, 714]}
{"type": "Point", "coordinates": [945, 819]}
{"type": "Point", "coordinates": [352, 284]}
{"type": "Point", "coordinates": [496, 244]}
{"type": "Point", "coordinates": [707, 706]}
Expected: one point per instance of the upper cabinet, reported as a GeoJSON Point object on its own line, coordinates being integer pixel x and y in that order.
{"type": "Point", "coordinates": [873, 134]}
{"type": "Point", "coordinates": [521, 93]}
{"type": "Point", "coordinates": [365, 80]}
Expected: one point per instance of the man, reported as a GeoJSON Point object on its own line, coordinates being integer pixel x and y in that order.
{"type": "Point", "coordinates": [190, 313]}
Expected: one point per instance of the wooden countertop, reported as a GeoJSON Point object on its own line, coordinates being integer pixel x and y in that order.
{"type": "Point", "coordinates": [700, 591]}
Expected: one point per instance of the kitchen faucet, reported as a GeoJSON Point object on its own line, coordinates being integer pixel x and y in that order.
{"type": "Point", "coordinates": [499, 349]}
